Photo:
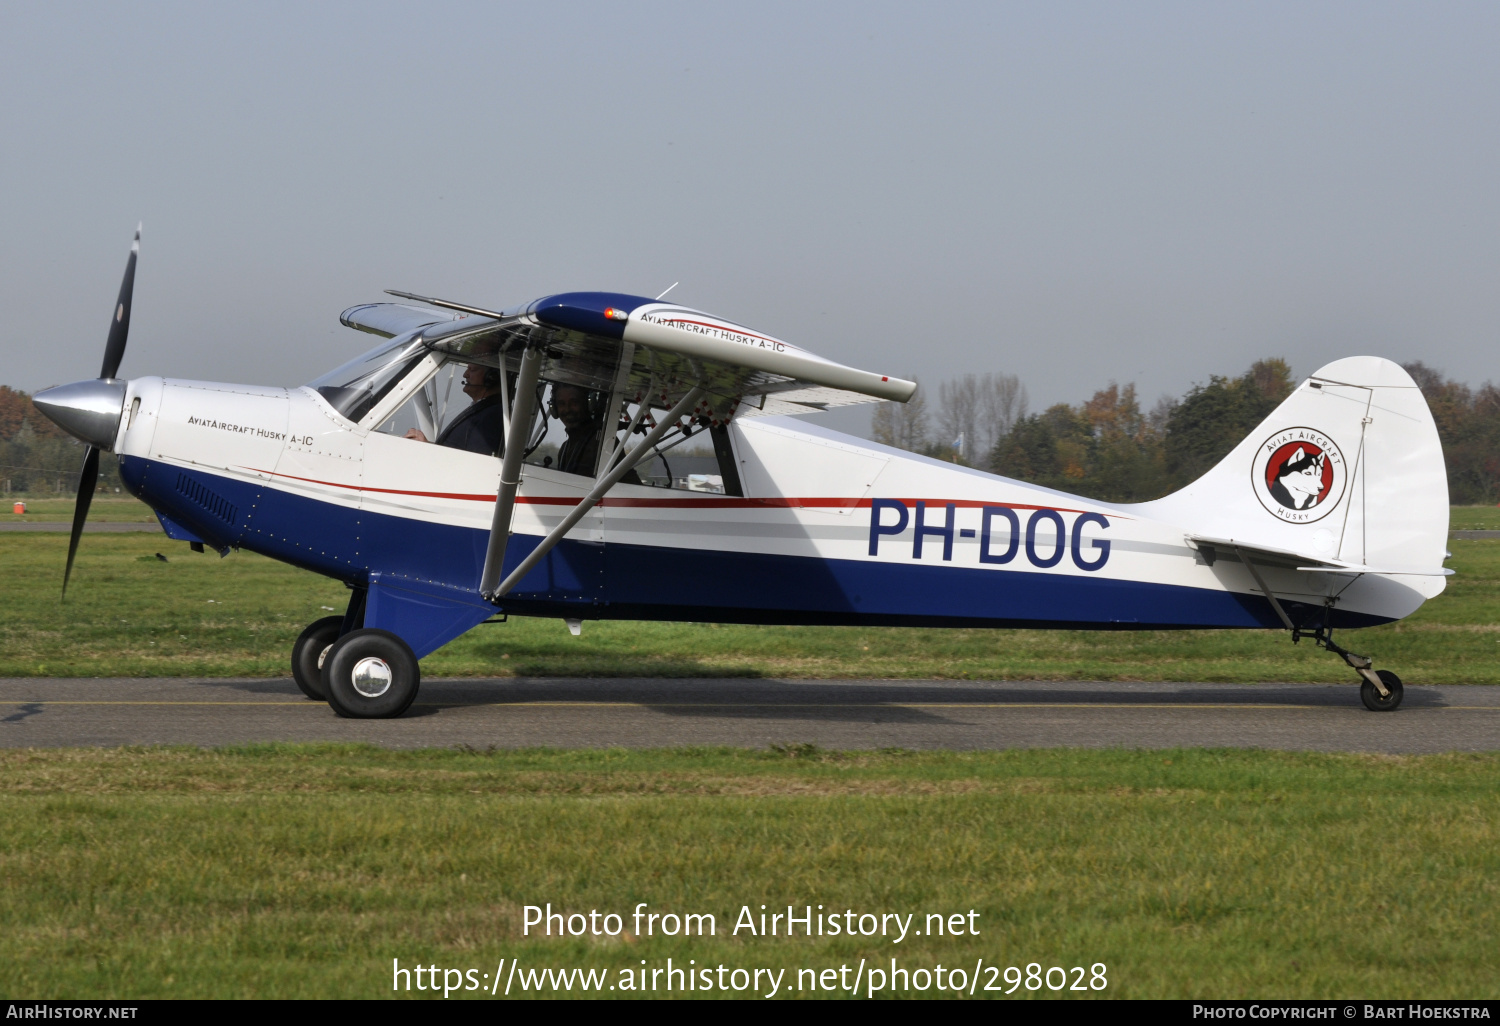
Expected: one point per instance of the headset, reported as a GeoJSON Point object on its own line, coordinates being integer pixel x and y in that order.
{"type": "Point", "coordinates": [491, 374]}
{"type": "Point", "coordinates": [596, 400]}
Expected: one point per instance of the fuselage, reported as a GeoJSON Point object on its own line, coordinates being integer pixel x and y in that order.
{"type": "Point", "coordinates": [830, 529]}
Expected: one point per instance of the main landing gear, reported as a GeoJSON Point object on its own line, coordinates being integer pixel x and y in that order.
{"type": "Point", "coordinates": [1379, 690]}
{"type": "Point", "coordinates": [310, 651]}
{"type": "Point", "coordinates": [371, 674]}
{"type": "Point", "coordinates": [362, 673]}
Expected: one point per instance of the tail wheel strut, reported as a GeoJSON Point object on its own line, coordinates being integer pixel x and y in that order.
{"type": "Point", "coordinates": [1380, 691]}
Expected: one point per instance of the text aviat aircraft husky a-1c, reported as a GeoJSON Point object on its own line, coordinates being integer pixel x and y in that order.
{"type": "Point", "coordinates": [1333, 513]}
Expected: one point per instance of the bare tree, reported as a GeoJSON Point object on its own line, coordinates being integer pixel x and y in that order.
{"type": "Point", "coordinates": [902, 425]}
{"type": "Point", "coordinates": [959, 404]}
{"type": "Point", "coordinates": [979, 410]}
{"type": "Point", "coordinates": [1003, 402]}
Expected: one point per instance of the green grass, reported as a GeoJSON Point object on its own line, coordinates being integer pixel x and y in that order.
{"type": "Point", "coordinates": [129, 614]}
{"type": "Point", "coordinates": [1474, 518]}
{"type": "Point", "coordinates": [299, 871]}
{"type": "Point", "coordinates": [104, 509]}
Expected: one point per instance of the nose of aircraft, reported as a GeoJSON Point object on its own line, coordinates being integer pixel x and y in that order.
{"type": "Point", "coordinates": [88, 410]}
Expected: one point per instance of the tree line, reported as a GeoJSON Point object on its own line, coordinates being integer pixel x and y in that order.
{"type": "Point", "coordinates": [36, 456]}
{"type": "Point", "coordinates": [1109, 448]}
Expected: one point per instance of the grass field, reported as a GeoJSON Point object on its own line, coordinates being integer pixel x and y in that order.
{"type": "Point", "coordinates": [1474, 518]}
{"type": "Point", "coordinates": [303, 871]}
{"type": "Point", "coordinates": [104, 509]}
{"type": "Point", "coordinates": [130, 614]}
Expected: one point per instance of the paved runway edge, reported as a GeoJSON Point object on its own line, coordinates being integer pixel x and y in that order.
{"type": "Point", "coordinates": [848, 714]}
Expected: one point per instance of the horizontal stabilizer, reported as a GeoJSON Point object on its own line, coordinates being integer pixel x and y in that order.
{"type": "Point", "coordinates": [1214, 549]}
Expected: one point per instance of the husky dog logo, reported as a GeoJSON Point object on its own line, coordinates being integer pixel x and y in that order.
{"type": "Point", "coordinates": [1299, 481]}
{"type": "Point", "coordinates": [1298, 475]}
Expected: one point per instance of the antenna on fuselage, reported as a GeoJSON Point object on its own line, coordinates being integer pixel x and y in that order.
{"type": "Point", "coordinates": [669, 288]}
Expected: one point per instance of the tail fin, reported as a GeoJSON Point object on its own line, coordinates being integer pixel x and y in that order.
{"type": "Point", "coordinates": [1349, 467]}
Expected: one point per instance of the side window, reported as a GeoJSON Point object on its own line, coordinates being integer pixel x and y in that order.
{"type": "Point", "coordinates": [686, 467]}
{"type": "Point", "coordinates": [431, 407]}
{"type": "Point", "coordinates": [460, 407]}
{"type": "Point", "coordinates": [684, 460]}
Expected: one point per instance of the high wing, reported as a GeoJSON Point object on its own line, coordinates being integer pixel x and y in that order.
{"type": "Point", "coordinates": [391, 319]}
{"type": "Point", "coordinates": [651, 352]}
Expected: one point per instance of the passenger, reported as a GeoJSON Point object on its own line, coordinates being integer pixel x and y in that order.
{"type": "Point", "coordinates": [580, 451]}
{"type": "Point", "coordinates": [481, 427]}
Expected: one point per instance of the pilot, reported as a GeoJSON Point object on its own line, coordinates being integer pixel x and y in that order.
{"type": "Point", "coordinates": [481, 427]}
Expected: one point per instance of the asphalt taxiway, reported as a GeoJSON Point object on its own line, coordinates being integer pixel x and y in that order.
{"type": "Point", "coordinates": [857, 714]}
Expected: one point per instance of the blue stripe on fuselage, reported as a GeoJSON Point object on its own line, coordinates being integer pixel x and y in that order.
{"type": "Point", "coordinates": [639, 582]}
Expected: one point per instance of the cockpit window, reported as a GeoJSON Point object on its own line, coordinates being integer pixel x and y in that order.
{"type": "Point", "coordinates": [358, 385]}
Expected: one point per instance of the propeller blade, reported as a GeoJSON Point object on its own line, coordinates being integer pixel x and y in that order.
{"type": "Point", "coordinates": [119, 325]}
{"type": "Point", "coordinates": [86, 483]}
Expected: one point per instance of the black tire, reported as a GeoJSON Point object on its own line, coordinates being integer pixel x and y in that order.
{"type": "Point", "coordinates": [308, 652]}
{"type": "Point", "coordinates": [1371, 697]}
{"type": "Point", "coordinates": [348, 676]}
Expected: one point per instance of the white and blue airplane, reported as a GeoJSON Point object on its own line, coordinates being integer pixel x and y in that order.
{"type": "Point", "coordinates": [1333, 513]}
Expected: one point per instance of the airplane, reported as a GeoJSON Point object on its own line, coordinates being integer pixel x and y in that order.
{"type": "Point", "coordinates": [1331, 514]}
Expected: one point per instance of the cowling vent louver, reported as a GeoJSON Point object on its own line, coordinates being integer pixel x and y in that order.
{"type": "Point", "coordinates": [208, 499]}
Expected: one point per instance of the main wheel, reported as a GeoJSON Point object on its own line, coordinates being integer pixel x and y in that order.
{"type": "Point", "coordinates": [1371, 697]}
{"type": "Point", "coordinates": [371, 674]}
{"type": "Point", "coordinates": [308, 652]}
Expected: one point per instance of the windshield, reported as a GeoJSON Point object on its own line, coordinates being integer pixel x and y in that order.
{"type": "Point", "coordinates": [362, 382]}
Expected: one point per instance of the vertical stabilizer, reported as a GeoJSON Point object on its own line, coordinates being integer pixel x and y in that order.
{"type": "Point", "coordinates": [1349, 467]}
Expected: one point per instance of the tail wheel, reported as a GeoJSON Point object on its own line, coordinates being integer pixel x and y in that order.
{"type": "Point", "coordinates": [1372, 698]}
{"type": "Point", "coordinates": [371, 674]}
{"type": "Point", "coordinates": [308, 653]}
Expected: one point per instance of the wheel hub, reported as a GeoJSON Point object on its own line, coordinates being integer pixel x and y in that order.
{"type": "Point", "coordinates": [372, 677]}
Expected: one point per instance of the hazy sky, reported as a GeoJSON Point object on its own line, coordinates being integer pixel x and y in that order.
{"type": "Point", "coordinates": [1074, 193]}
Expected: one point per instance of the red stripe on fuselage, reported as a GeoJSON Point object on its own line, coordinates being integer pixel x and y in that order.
{"type": "Point", "coordinates": [707, 502]}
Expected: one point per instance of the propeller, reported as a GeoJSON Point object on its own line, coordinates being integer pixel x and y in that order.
{"type": "Point", "coordinates": [119, 327]}
{"type": "Point", "coordinates": [114, 352]}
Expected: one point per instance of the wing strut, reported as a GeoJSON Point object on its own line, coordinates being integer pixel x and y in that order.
{"type": "Point", "coordinates": [516, 438]}
{"type": "Point", "coordinates": [602, 485]}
